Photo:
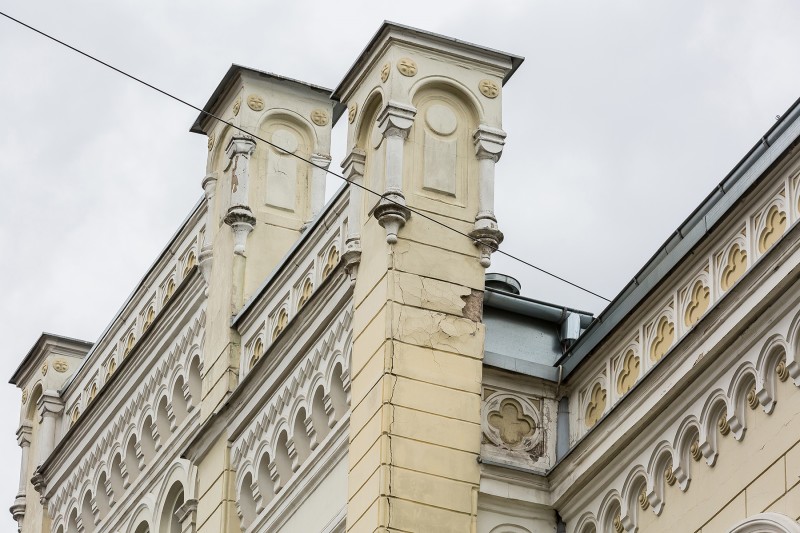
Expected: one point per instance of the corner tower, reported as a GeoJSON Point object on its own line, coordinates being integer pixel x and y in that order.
{"type": "Point", "coordinates": [261, 192]}
{"type": "Point", "coordinates": [425, 133]}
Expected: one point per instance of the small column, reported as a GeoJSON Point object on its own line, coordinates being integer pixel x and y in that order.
{"type": "Point", "coordinates": [394, 121]}
{"type": "Point", "coordinates": [354, 172]}
{"type": "Point", "coordinates": [50, 408]}
{"type": "Point", "coordinates": [240, 217]}
{"type": "Point", "coordinates": [206, 256]}
{"type": "Point", "coordinates": [24, 441]}
{"type": "Point", "coordinates": [488, 148]}
{"type": "Point", "coordinates": [318, 171]}
{"type": "Point", "coordinates": [187, 516]}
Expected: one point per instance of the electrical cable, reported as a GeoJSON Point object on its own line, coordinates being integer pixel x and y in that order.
{"type": "Point", "coordinates": [212, 115]}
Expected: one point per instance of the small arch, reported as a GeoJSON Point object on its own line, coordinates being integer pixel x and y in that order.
{"type": "Point", "coordinates": [767, 523]}
{"type": "Point", "coordinates": [282, 459]}
{"type": "Point", "coordinates": [169, 522]}
{"type": "Point", "coordinates": [87, 516]}
{"type": "Point", "coordinates": [131, 459]}
{"type": "Point", "coordinates": [116, 478]}
{"type": "Point", "coordinates": [72, 523]}
{"type": "Point", "coordinates": [30, 411]}
{"type": "Point", "coordinates": [148, 442]}
{"type": "Point", "coordinates": [634, 497]}
{"type": "Point", "coordinates": [659, 475]}
{"type": "Point", "coordinates": [179, 405]}
{"type": "Point", "coordinates": [713, 424]}
{"type": "Point", "coordinates": [774, 352]}
{"type": "Point", "coordinates": [247, 503]}
{"type": "Point", "coordinates": [195, 381]}
{"type": "Point", "coordinates": [451, 86]}
{"type": "Point", "coordinates": [302, 442]}
{"type": "Point", "coordinates": [319, 417]}
{"type": "Point", "coordinates": [586, 524]}
{"type": "Point", "coordinates": [741, 393]}
{"type": "Point", "coordinates": [266, 487]}
{"type": "Point", "coordinates": [338, 394]}
{"type": "Point", "coordinates": [610, 514]}
{"type": "Point", "coordinates": [101, 496]}
{"type": "Point", "coordinates": [162, 421]}
{"type": "Point", "coordinates": [687, 450]}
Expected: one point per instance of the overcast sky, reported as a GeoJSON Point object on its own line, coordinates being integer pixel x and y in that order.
{"type": "Point", "coordinates": [624, 116]}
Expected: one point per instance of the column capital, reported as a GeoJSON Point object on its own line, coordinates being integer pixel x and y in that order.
{"type": "Point", "coordinates": [353, 164]}
{"type": "Point", "coordinates": [24, 433]}
{"type": "Point", "coordinates": [209, 183]}
{"type": "Point", "coordinates": [489, 142]}
{"type": "Point", "coordinates": [50, 404]}
{"type": "Point", "coordinates": [395, 119]}
{"type": "Point", "coordinates": [240, 145]}
{"type": "Point", "coordinates": [321, 160]}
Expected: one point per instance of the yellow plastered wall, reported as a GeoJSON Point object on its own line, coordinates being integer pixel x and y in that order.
{"type": "Point", "coordinates": [760, 473]}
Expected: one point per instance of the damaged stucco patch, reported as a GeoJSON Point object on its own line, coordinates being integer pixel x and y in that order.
{"type": "Point", "coordinates": [439, 331]}
{"type": "Point", "coordinates": [428, 293]}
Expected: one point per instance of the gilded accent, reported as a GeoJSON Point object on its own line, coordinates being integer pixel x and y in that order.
{"type": "Point", "coordinates": [752, 398]}
{"type": "Point", "coordinates": [734, 268]}
{"type": "Point", "coordinates": [129, 344]}
{"type": "Point", "coordinates": [488, 88]}
{"type": "Point", "coordinates": [629, 373]}
{"type": "Point", "coordinates": [74, 415]}
{"type": "Point", "coordinates": [722, 424]}
{"type": "Point", "coordinates": [305, 294]}
{"type": "Point", "coordinates": [112, 367]}
{"type": "Point", "coordinates": [698, 304]}
{"type": "Point", "coordinates": [782, 370]}
{"type": "Point", "coordinates": [694, 450]}
{"type": "Point", "coordinates": [597, 405]}
{"type": "Point", "coordinates": [169, 290]}
{"type": "Point", "coordinates": [618, 524]}
{"type": "Point", "coordinates": [255, 102]}
{"type": "Point", "coordinates": [644, 503]}
{"type": "Point", "coordinates": [44, 368]}
{"type": "Point", "coordinates": [351, 113]}
{"type": "Point", "coordinates": [330, 264]}
{"type": "Point", "coordinates": [385, 72]}
{"type": "Point", "coordinates": [24, 396]}
{"type": "Point", "coordinates": [665, 334]}
{"type": "Point", "coordinates": [258, 351]}
{"type": "Point", "coordinates": [319, 117]}
{"type": "Point", "coordinates": [237, 105]}
{"type": "Point", "coordinates": [280, 323]}
{"type": "Point", "coordinates": [669, 476]}
{"type": "Point", "coordinates": [191, 261]}
{"type": "Point", "coordinates": [407, 67]}
{"type": "Point", "coordinates": [211, 139]}
{"type": "Point", "coordinates": [93, 392]}
{"type": "Point", "coordinates": [149, 317]}
{"type": "Point", "coordinates": [511, 423]}
{"type": "Point", "coordinates": [60, 366]}
{"type": "Point", "coordinates": [773, 228]}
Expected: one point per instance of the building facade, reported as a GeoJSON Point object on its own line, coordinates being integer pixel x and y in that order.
{"type": "Point", "coordinates": [288, 365]}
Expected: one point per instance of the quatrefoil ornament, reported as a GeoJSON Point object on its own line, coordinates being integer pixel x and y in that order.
{"type": "Point", "coordinates": [511, 422]}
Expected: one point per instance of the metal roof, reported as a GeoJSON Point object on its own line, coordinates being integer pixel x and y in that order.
{"type": "Point", "coordinates": [746, 174]}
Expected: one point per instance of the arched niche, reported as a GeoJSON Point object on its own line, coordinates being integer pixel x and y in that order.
{"type": "Point", "coordinates": [279, 181]}
{"type": "Point", "coordinates": [169, 522]}
{"type": "Point", "coordinates": [369, 138]}
{"type": "Point", "coordinates": [767, 523]}
{"type": "Point", "coordinates": [440, 154]}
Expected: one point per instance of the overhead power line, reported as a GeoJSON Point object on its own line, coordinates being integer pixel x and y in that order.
{"type": "Point", "coordinates": [341, 177]}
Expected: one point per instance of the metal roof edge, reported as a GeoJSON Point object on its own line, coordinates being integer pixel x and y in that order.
{"type": "Point", "coordinates": [514, 303]}
{"type": "Point", "coordinates": [39, 344]}
{"type": "Point", "coordinates": [388, 25]}
{"type": "Point", "coordinates": [236, 70]}
{"type": "Point", "coordinates": [700, 222]}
